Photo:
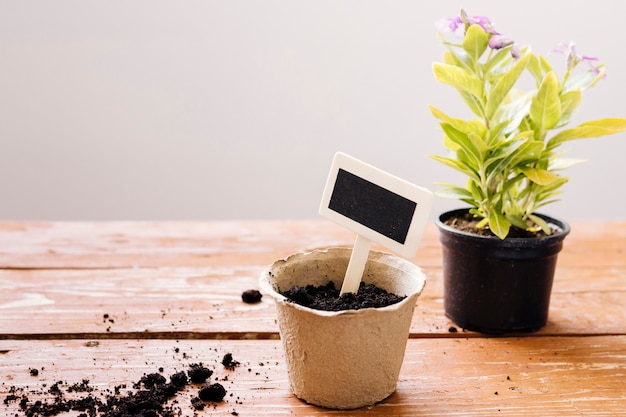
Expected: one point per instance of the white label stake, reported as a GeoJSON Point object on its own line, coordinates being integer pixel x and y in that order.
{"type": "Point", "coordinates": [356, 266]}
{"type": "Point", "coordinates": [378, 207]}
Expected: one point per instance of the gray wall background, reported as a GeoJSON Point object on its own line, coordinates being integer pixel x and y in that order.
{"type": "Point", "coordinates": [232, 109]}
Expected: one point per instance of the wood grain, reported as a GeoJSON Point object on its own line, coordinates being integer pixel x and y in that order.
{"type": "Point", "coordinates": [185, 279]}
{"type": "Point", "coordinates": [206, 302]}
{"type": "Point", "coordinates": [440, 377]}
{"type": "Point", "coordinates": [157, 244]}
{"type": "Point", "coordinates": [111, 301]}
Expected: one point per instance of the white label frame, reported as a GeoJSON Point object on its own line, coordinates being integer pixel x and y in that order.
{"type": "Point", "coordinates": [402, 191]}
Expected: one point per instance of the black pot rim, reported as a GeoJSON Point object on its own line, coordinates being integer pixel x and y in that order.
{"type": "Point", "coordinates": [562, 227]}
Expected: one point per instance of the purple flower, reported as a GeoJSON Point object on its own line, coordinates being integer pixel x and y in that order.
{"type": "Point", "coordinates": [574, 58]}
{"type": "Point", "coordinates": [451, 25]}
{"type": "Point", "coordinates": [515, 52]}
{"type": "Point", "coordinates": [498, 41]}
{"type": "Point", "coordinates": [459, 24]}
{"type": "Point", "coordinates": [481, 21]}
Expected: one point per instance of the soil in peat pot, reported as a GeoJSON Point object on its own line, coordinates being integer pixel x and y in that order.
{"type": "Point", "coordinates": [467, 223]}
{"type": "Point", "coordinates": [327, 298]}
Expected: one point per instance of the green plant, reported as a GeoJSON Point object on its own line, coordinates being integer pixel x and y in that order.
{"type": "Point", "coordinates": [510, 150]}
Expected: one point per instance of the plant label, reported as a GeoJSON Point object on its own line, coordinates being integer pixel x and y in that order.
{"type": "Point", "coordinates": [378, 207]}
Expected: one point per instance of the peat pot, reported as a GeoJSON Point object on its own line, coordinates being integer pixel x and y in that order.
{"type": "Point", "coordinates": [351, 358]}
{"type": "Point", "coordinates": [498, 286]}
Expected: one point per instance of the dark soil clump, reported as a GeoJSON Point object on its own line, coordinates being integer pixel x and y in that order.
{"type": "Point", "coordinates": [229, 362]}
{"type": "Point", "coordinates": [327, 297]}
{"type": "Point", "coordinates": [251, 296]}
{"type": "Point", "coordinates": [151, 380]}
{"type": "Point", "coordinates": [198, 373]}
{"type": "Point", "coordinates": [214, 392]}
{"type": "Point", "coordinates": [197, 403]}
{"type": "Point", "coordinates": [179, 379]}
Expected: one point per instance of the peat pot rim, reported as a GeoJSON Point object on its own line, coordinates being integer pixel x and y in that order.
{"type": "Point", "coordinates": [374, 256]}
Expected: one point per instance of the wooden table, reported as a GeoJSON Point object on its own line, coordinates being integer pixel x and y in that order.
{"type": "Point", "coordinates": [110, 302]}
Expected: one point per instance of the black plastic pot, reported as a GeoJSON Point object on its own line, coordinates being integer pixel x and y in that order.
{"type": "Point", "coordinates": [498, 286]}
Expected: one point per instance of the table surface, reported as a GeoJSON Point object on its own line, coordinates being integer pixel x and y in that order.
{"type": "Point", "coordinates": [110, 302]}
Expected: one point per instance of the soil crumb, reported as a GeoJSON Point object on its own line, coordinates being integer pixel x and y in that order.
{"type": "Point", "coordinates": [199, 373]}
{"type": "Point", "coordinates": [229, 362]}
{"type": "Point", "coordinates": [251, 296]}
{"type": "Point", "coordinates": [214, 392]}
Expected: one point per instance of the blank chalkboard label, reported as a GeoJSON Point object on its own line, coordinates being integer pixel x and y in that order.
{"type": "Point", "coordinates": [376, 205]}
{"type": "Point", "coordinates": [372, 206]}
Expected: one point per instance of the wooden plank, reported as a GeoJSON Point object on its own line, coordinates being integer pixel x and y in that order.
{"type": "Point", "coordinates": [206, 301]}
{"type": "Point", "coordinates": [226, 258]}
{"type": "Point", "coordinates": [153, 244]}
{"type": "Point", "coordinates": [443, 377]}
{"type": "Point", "coordinates": [156, 244]}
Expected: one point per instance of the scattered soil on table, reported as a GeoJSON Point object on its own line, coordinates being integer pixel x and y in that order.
{"type": "Point", "coordinates": [327, 298]}
{"type": "Point", "coordinates": [151, 396]}
{"type": "Point", "coordinates": [467, 223]}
